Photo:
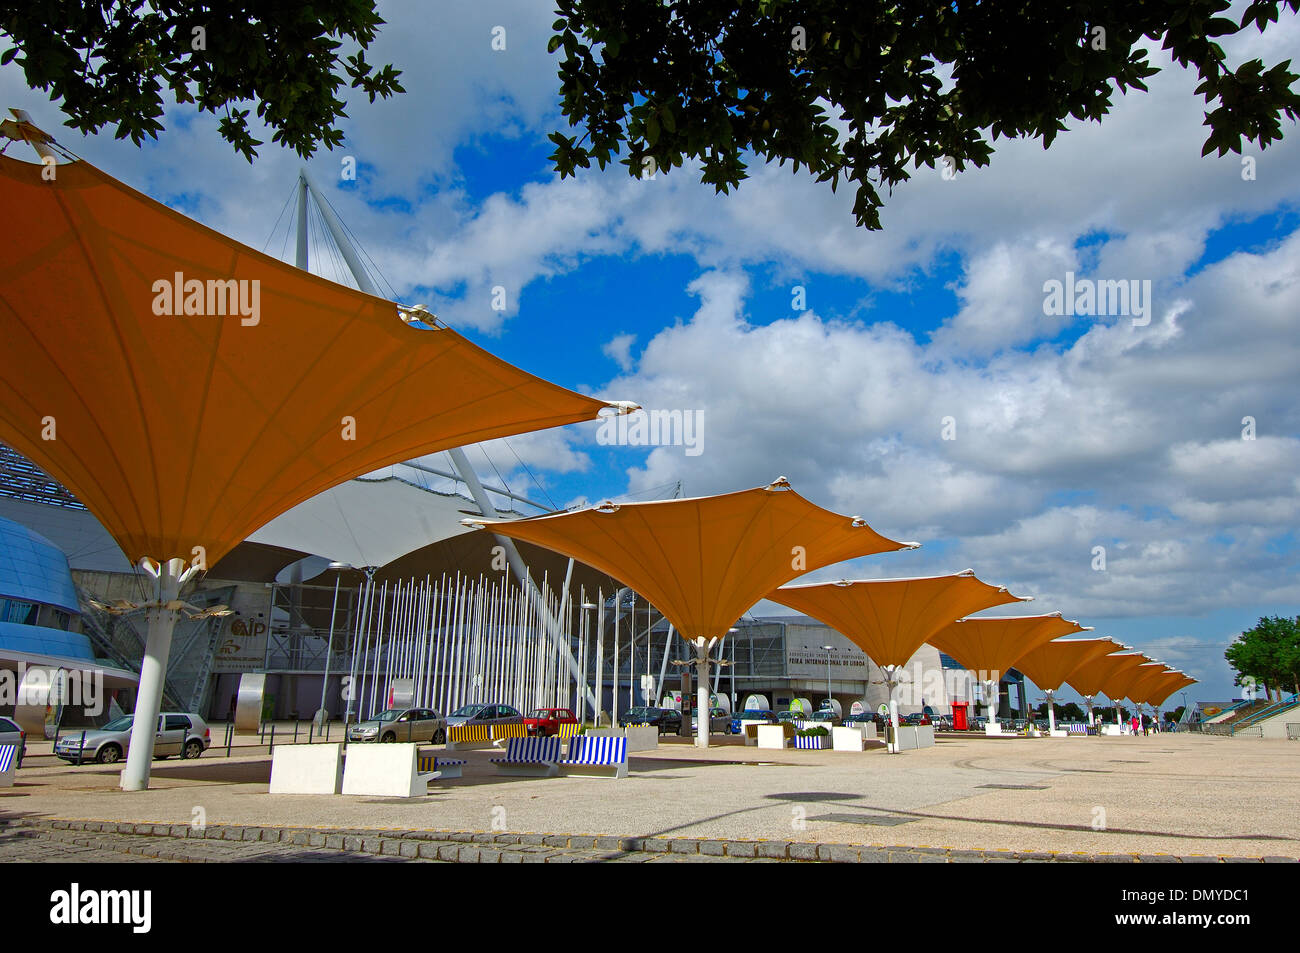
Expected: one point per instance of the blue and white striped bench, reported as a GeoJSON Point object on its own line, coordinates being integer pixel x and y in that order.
{"type": "Point", "coordinates": [814, 742]}
{"type": "Point", "coordinates": [530, 757]}
{"type": "Point", "coordinates": [445, 767]}
{"type": "Point", "coordinates": [8, 762]}
{"type": "Point", "coordinates": [1077, 729]}
{"type": "Point", "coordinates": [594, 757]}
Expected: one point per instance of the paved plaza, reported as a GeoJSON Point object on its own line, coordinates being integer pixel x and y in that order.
{"type": "Point", "coordinates": [1162, 797]}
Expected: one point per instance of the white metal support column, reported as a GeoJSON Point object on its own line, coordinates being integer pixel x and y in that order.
{"type": "Point", "coordinates": [163, 610]}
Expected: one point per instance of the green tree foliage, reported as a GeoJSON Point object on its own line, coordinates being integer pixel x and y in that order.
{"type": "Point", "coordinates": [108, 63]}
{"type": "Point", "coordinates": [1269, 654]}
{"type": "Point", "coordinates": [1071, 711]}
{"type": "Point", "coordinates": [863, 90]}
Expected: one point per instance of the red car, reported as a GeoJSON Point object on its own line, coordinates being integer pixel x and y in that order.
{"type": "Point", "coordinates": [546, 721]}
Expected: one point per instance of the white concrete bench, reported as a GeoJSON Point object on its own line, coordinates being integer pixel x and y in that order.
{"type": "Point", "coordinates": [850, 738]}
{"type": "Point", "coordinates": [530, 757]}
{"type": "Point", "coordinates": [8, 765]}
{"type": "Point", "coordinates": [774, 736]}
{"type": "Point", "coordinates": [307, 769]}
{"type": "Point", "coordinates": [385, 771]}
{"type": "Point", "coordinates": [591, 757]}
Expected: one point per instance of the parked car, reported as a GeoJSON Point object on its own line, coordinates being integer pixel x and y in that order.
{"type": "Point", "coordinates": [754, 716]}
{"type": "Point", "coordinates": [941, 722]}
{"type": "Point", "coordinates": [782, 717]}
{"type": "Point", "coordinates": [181, 733]}
{"type": "Point", "coordinates": [915, 718]}
{"type": "Point", "coordinates": [823, 716]}
{"type": "Point", "coordinates": [667, 720]}
{"type": "Point", "coordinates": [479, 713]}
{"type": "Point", "coordinates": [546, 721]}
{"type": "Point", "coordinates": [879, 720]}
{"type": "Point", "coordinates": [719, 721]}
{"type": "Point", "coordinates": [11, 734]}
{"type": "Point", "coordinates": [401, 724]}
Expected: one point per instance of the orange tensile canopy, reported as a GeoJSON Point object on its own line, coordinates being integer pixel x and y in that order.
{"type": "Point", "coordinates": [189, 389]}
{"type": "Point", "coordinates": [1134, 684]}
{"type": "Point", "coordinates": [702, 562]}
{"type": "Point", "coordinates": [1051, 664]}
{"type": "Point", "coordinates": [1161, 688]}
{"type": "Point", "coordinates": [995, 644]}
{"type": "Point", "coordinates": [1090, 678]}
{"type": "Point", "coordinates": [889, 619]}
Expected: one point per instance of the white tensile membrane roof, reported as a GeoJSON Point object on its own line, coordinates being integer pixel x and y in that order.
{"type": "Point", "coordinates": [371, 522]}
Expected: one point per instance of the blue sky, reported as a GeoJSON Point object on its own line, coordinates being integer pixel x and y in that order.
{"type": "Point", "coordinates": [1071, 433]}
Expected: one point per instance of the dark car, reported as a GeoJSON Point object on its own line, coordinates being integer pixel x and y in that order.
{"type": "Point", "coordinates": [754, 716]}
{"type": "Point", "coordinates": [666, 720]}
{"type": "Point", "coordinates": [916, 718]}
{"type": "Point", "coordinates": [867, 717]}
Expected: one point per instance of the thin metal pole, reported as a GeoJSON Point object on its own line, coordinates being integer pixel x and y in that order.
{"type": "Point", "coordinates": [323, 715]}
{"type": "Point", "coordinates": [600, 654]}
{"type": "Point", "coordinates": [618, 613]}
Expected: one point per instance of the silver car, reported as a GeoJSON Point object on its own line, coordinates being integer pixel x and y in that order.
{"type": "Point", "coordinates": [178, 732]}
{"type": "Point", "coordinates": [401, 724]}
{"type": "Point", "coordinates": [719, 721]}
{"type": "Point", "coordinates": [481, 714]}
{"type": "Point", "coordinates": [11, 734]}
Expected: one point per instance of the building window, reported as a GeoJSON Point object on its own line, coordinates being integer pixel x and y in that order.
{"type": "Point", "coordinates": [15, 610]}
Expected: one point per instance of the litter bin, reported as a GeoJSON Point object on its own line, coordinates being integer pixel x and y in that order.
{"type": "Point", "coordinates": [959, 720]}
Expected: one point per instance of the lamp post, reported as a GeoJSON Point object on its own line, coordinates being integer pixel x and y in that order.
{"type": "Point", "coordinates": [828, 649]}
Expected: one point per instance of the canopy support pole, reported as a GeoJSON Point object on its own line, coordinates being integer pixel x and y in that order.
{"type": "Point", "coordinates": [702, 709]}
{"type": "Point", "coordinates": [163, 611]}
{"type": "Point", "coordinates": [891, 684]}
{"type": "Point", "coordinates": [1051, 710]}
{"type": "Point", "coordinates": [1087, 700]}
{"type": "Point", "coordinates": [991, 703]}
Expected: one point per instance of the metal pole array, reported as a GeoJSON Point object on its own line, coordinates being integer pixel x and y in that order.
{"type": "Point", "coordinates": [461, 640]}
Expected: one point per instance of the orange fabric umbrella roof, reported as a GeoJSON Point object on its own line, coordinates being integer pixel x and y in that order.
{"type": "Point", "coordinates": [1049, 665]}
{"type": "Point", "coordinates": [1092, 678]}
{"type": "Point", "coordinates": [181, 429]}
{"type": "Point", "coordinates": [1139, 680]}
{"type": "Point", "coordinates": [890, 619]}
{"type": "Point", "coordinates": [995, 644]}
{"type": "Point", "coordinates": [702, 562]}
{"type": "Point", "coordinates": [1161, 688]}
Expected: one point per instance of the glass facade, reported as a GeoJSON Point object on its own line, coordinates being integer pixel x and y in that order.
{"type": "Point", "coordinates": [39, 610]}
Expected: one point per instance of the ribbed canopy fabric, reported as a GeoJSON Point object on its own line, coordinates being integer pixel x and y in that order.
{"type": "Point", "coordinates": [1119, 682]}
{"type": "Point", "coordinates": [1091, 678]}
{"type": "Point", "coordinates": [1050, 665]}
{"type": "Point", "coordinates": [994, 644]}
{"type": "Point", "coordinates": [191, 429]}
{"type": "Point", "coordinates": [889, 619]}
{"type": "Point", "coordinates": [1143, 678]}
{"type": "Point", "coordinates": [704, 561]}
{"type": "Point", "coordinates": [1159, 689]}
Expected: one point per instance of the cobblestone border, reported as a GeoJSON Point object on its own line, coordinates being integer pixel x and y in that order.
{"type": "Point", "coordinates": [478, 847]}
